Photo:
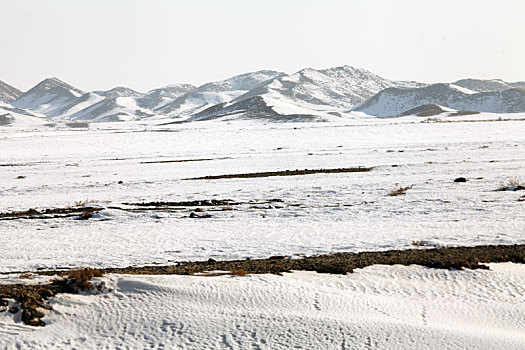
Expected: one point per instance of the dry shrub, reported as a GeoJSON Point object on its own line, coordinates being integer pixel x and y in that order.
{"type": "Point", "coordinates": [512, 185]}
{"type": "Point", "coordinates": [86, 214]}
{"type": "Point", "coordinates": [399, 190]}
{"type": "Point", "coordinates": [512, 182]}
{"type": "Point", "coordinates": [238, 272]}
{"type": "Point", "coordinates": [433, 120]}
{"type": "Point", "coordinates": [81, 276]}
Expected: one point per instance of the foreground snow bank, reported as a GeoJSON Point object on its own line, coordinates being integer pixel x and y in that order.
{"type": "Point", "coordinates": [380, 307]}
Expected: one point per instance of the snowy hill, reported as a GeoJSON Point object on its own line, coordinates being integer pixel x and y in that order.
{"type": "Point", "coordinates": [479, 85]}
{"type": "Point", "coordinates": [307, 93]}
{"type": "Point", "coordinates": [215, 93]}
{"type": "Point", "coordinates": [119, 91]}
{"type": "Point", "coordinates": [78, 104]}
{"type": "Point", "coordinates": [395, 101]}
{"type": "Point", "coordinates": [111, 109]}
{"type": "Point", "coordinates": [47, 96]}
{"type": "Point", "coordinates": [158, 98]}
{"type": "Point", "coordinates": [8, 93]}
{"type": "Point", "coordinates": [16, 117]}
{"type": "Point", "coordinates": [255, 107]}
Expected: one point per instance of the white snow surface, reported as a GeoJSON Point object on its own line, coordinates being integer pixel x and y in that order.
{"type": "Point", "coordinates": [320, 213]}
{"type": "Point", "coordinates": [379, 307]}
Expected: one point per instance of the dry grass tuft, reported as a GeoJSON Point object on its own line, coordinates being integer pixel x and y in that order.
{"type": "Point", "coordinates": [399, 190]}
{"type": "Point", "coordinates": [26, 275]}
{"type": "Point", "coordinates": [238, 273]}
{"type": "Point", "coordinates": [81, 276]}
{"type": "Point", "coordinates": [512, 185]}
{"type": "Point", "coordinates": [513, 182]}
{"type": "Point", "coordinates": [84, 202]}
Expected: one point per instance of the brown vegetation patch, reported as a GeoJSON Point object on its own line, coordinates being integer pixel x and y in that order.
{"type": "Point", "coordinates": [239, 273]}
{"type": "Point", "coordinates": [399, 190]}
{"type": "Point", "coordinates": [34, 297]}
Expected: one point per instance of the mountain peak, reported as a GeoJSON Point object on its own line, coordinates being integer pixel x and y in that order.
{"type": "Point", "coordinates": [54, 82]}
{"type": "Point", "coordinates": [8, 93]}
{"type": "Point", "coordinates": [119, 91]}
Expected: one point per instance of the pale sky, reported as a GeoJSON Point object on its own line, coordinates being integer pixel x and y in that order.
{"type": "Point", "coordinates": [144, 44]}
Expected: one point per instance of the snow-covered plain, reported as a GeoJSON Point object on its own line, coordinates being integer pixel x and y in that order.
{"type": "Point", "coordinates": [320, 213]}
{"type": "Point", "coordinates": [378, 307]}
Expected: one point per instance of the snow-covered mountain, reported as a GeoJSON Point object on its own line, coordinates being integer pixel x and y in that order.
{"type": "Point", "coordinates": [479, 85]}
{"type": "Point", "coordinates": [214, 93]}
{"type": "Point", "coordinates": [47, 96]}
{"type": "Point", "coordinates": [12, 116]}
{"type": "Point", "coordinates": [78, 104]}
{"type": "Point", "coordinates": [396, 101]}
{"type": "Point", "coordinates": [307, 93]}
{"type": "Point", "coordinates": [111, 109]}
{"type": "Point", "coordinates": [8, 93]}
{"type": "Point", "coordinates": [119, 91]}
{"type": "Point", "coordinates": [160, 97]}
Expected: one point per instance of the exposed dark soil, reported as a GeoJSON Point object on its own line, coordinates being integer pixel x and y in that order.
{"type": "Point", "coordinates": [178, 161]}
{"type": "Point", "coordinates": [32, 297]}
{"type": "Point", "coordinates": [427, 110]}
{"type": "Point", "coordinates": [460, 113]}
{"type": "Point", "coordinates": [84, 213]}
{"type": "Point", "coordinates": [341, 263]}
{"type": "Point", "coordinates": [196, 203]}
{"type": "Point", "coordinates": [80, 212]}
{"type": "Point", "coordinates": [21, 164]}
{"type": "Point", "coordinates": [283, 173]}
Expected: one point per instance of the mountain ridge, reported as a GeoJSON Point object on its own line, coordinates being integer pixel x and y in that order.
{"type": "Point", "coordinates": [8, 93]}
{"type": "Point", "coordinates": [395, 101]}
{"type": "Point", "coordinates": [308, 94]}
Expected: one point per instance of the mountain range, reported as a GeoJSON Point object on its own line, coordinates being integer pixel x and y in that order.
{"type": "Point", "coordinates": [308, 94]}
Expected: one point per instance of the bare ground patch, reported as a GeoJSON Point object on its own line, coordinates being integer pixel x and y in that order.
{"type": "Point", "coordinates": [80, 212]}
{"type": "Point", "coordinates": [283, 173]}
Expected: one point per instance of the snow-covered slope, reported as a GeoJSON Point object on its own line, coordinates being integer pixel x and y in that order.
{"type": "Point", "coordinates": [119, 91]}
{"type": "Point", "coordinates": [395, 101]}
{"type": "Point", "coordinates": [8, 93]}
{"type": "Point", "coordinates": [308, 92]}
{"type": "Point", "coordinates": [479, 85]}
{"type": "Point", "coordinates": [16, 117]}
{"type": "Point", "coordinates": [256, 107]}
{"type": "Point", "coordinates": [215, 93]}
{"type": "Point", "coordinates": [111, 109]}
{"type": "Point", "coordinates": [84, 101]}
{"type": "Point", "coordinates": [47, 96]}
{"type": "Point", "coordinates": [157, 98]}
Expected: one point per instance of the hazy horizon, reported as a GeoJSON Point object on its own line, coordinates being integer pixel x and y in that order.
{"type": "Point", "coordinates": [143, 45]}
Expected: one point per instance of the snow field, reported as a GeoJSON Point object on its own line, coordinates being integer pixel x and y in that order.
{"type": "Point", "coordinates": [379, 307]}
